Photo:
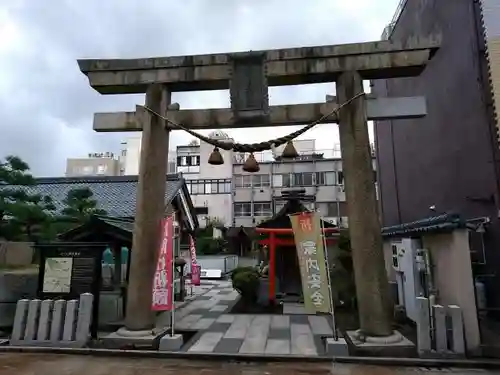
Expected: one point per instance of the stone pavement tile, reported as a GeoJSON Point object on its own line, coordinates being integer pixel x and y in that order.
{"type": "Point", "coordinates": [210, 314]}
{"type": "Point", "coordinates": [277, 347]}
{"type": "Point", "coordinates": [207, 304]}
{"type": "Point", "coordinates": [224, 284]}
{"type": "Point", "coordinates": [239, 327]}
{"type": "Point", "coordinates": [228, 297]}
{"type": "Point", "coordinates": [212, 292]}
{"type": "Point", "coordinates": [302, 340]}
{"type": "Point", "coordinates": [299, 319]}
{"type": "Point", "coordinates": [320, 325]}
{"type": "Point", "coordinates": [202, 297]}
{"type": "Point", "coordinates": [256, 337]}
{"type": "Point", "coordinates": [225, 318]}
{"type": "Point", "coordinates": [206, 343]}
{"type": "Point", "coordinates": [282, 334]}
{"type": "Point", "coordinates": [227, 290]}
{"type": "Point", "coordinates": [230, 346]}
{"type": "Point", "coordinates": [188, 320]}
{"type": "Point", "coordinates": [320, 343]}
{"type": "Point", "coordinates": [203, 323]}
{"type": "Point", "coordinates": [220, 308]}
{"type": "Point", "coordinates": [219, 327]}
{"type": "Point", "coordinates": [280, 321]}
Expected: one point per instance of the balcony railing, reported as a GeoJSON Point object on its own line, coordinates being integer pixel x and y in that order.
{"type": "Point", "coordinates": [268, 156]}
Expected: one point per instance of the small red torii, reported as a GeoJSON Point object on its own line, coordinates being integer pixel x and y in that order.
{"type": "Point", "coordinates": [272, 241]}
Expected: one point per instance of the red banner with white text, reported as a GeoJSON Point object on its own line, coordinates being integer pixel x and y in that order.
{"type": "Point", "coordinates": [195, 267]}
{"type": "Point", "coordinates": [164, 277]}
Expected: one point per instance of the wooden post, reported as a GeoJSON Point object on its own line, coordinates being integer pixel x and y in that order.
{"type": "Point", "coordinates": [372, 285]}
{"type": "Point", "coordinates": [150, 208]}
{"type": "Point", "coordinates": [272, 267]}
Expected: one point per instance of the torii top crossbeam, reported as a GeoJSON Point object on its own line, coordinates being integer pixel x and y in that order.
{"type": "Point", "coordinates": [291, 66]}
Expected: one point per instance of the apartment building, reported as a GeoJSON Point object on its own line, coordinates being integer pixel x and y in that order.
{"type": "Point", "coordinates": [257, 196]}
{"type": "Point", "coordinates": [130, 156]}
{"type": "Point", "coordinates": [232, 197]}
{"type": "Point", "coordinates": [96, 164]}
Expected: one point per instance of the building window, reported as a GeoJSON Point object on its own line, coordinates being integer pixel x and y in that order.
{"type": "Point", "coordinates": [195, 160]}
{"type": "Point", "coordinates": [261, 180]}
{"type": "Point", "coordinates": [309, 206]}
{"type": "Point", "coordinates": [242, 181]}
{"type": "Point", "coordinates": [243, 209]}
{"type": "Point", "coordinates": [201, 210]}
{"type": "Point", "coordinates": [215, 186]}
{"type": "Point", "coordinates": [101, 169]}
{"type": "Point", "coordinates": [303, 179]}
{"type": "Point", "coordinates": [282, 180]}
{"type": "Point", "coordinates": [124, 153]}
{"type": "Point", "coordinates": [333, 209]}
{"type": "Point", "coordinates": [188, 161]}
{"type": "Point", "coordinates": [87, 170]}
{"type": "Point", "coordinates": [262, 209]}
{"type": "Point", "coordinates": [325, 178]}
{"type": "Point", "coordinates": [340, 177]}
{"type": "Point", "coordinates": [277, 180]}
{"type": "Point", "coordinates": [278, 205]}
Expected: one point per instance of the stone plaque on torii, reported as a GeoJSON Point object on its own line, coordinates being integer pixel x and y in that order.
{"type": "Point", "coordinates": [247, 76]}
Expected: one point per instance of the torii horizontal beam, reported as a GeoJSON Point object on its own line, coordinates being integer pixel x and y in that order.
{"type": "Point", "coordinates": [291, 66]}
{"type": "Point", "coordinates": [281, 115]}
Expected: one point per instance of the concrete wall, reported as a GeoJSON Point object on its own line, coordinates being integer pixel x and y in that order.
{"type": "Point", "coordinates": [219, 206]}
{"type": "Point", "coordinates": [16, 253]}
{"type": "Point", "coordinates": [452, 272]}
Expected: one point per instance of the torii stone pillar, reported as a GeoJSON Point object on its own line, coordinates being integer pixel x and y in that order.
{"type": "Point", "coordinates": [149, 210]}
{"type": "Point", "coordinates": [364, 224]}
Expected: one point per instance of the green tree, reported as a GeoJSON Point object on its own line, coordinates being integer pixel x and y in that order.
{"type": "Point", "coordinates": [33, 216]}
{"type": "Point", "coordinates": [81, 205]}
{"type": "Point", "coordinates": [22, 215]}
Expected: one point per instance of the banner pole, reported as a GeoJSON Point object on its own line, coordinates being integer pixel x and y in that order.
{"type": "Point", "coordinates": [174, 247]}
{"type": "Point", "coordinates": [332, 305]}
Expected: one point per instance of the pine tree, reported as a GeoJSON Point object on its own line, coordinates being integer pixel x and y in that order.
{"type": "Point", "coordinates": [80, 205]}
{"type": "Point", "coordinates": [23, 216]}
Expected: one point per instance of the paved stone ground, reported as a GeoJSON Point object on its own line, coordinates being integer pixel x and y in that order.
{"type": "Point", "coordinates": [222, 332]}
{"type": "Point", "coordinates": [50, 364]}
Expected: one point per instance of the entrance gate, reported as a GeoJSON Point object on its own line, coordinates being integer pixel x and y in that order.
{"type": "Point", "coordinates": [247, 75]}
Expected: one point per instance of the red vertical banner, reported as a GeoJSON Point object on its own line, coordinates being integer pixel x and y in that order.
{"type": "Point", "coordinates": [195, 268]}
{"type": "Point", "coordinates": [164, 278]}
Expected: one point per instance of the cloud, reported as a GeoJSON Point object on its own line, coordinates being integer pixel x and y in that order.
{"type": "Point", "coordinates": [47, 105]}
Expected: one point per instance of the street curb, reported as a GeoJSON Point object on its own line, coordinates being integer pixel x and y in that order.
{"type": "Point", "coordinates": [376, 361]}
{"type": "Point", "coordinates": [170, 355]}
{"type": "Point", "coordinates": [421, 362]}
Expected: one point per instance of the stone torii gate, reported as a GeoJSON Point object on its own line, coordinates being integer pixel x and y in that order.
{"type": "Point", "coordinates": [247, 75]}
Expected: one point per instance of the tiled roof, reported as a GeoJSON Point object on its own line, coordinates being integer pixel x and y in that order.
{"type": "Point", "coordinates": [440, 223]}
{"type": "Point", "coordinates": [119, 228]}
{"type": "Point", "coordinates": [115, 195]}
{"type": "Point", "coordinates": [124, 224]}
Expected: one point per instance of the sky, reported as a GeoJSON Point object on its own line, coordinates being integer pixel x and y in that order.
{"type": "Point", "coordinates": [47, 105]}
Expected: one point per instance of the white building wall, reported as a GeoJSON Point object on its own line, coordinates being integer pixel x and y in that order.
{"type": "Point", "coordinates": [132, 156]}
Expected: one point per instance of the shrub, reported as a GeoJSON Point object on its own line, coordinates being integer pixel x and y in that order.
{"type": "Point", "coordinates": [237, 270]}
{"type": "Point", "coordinates": [247, 284]}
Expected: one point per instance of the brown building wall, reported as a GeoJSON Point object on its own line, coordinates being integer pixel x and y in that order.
{"type": "Point", "coordinates": [449, 158]}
